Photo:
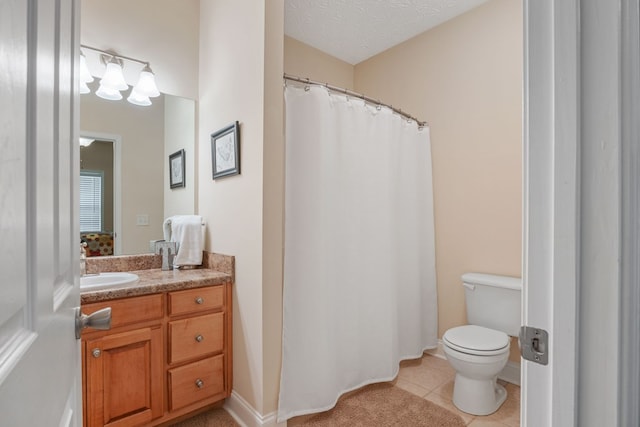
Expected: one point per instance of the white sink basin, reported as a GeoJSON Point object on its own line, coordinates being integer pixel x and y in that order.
{"type": "Point", "coordinates": [94, 282]}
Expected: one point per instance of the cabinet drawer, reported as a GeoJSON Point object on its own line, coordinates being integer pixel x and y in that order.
{"type": "Point", "coordinates": [196, 336]}
{"type": "Point", "coordinates": [196, 381]}
{"type": "Point", "coordinates": [129, 310]}
{"type": "Point", "coordinates": [195, 300]}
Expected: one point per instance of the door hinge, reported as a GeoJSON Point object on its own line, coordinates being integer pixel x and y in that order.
{"type": "Point", "coordinates": [534, 344]}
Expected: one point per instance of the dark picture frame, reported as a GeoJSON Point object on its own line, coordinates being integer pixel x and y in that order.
{"type": "Point", "coordinates": [225, 151]}
{"type": "Point", "coordinates": [176, 169]}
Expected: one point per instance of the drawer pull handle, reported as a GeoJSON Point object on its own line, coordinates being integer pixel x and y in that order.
{"type": "Point", "coordinates": [199, 338]}
{"type": "Point", "coordinates": [199, 300]}
{"type": "Point", "coordinates": [199, 383]}
{"type": "Point", "coordinates": [96, 352]}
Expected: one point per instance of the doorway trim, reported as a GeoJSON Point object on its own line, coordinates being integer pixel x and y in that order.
{"type": "Point", "coordinates": [582, 100]}
{"type": "Point", "coordinates": [551, 132]}
{"type": "Point", "coordinates": [629, 317]}
{"type": "Point", "coordinates": [117, 182]}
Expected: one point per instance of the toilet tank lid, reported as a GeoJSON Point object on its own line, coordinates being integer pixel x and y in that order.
{"type": "Point", "coordinates": [492, 280]}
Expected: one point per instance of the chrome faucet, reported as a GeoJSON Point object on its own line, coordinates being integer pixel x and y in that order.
{"type": "Point", "coordinates": [168, 251]}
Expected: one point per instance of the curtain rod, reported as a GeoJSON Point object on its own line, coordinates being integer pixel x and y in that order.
{"type": "Point", "coordinates": [357, 95]}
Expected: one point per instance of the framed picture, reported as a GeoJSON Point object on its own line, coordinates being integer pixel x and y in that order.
{"type": "Point", "coordinates": [176, 169]}
{"type": "Point", "coordinates": [225, 151]}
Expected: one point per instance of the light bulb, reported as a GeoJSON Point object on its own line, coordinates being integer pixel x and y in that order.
{"type": "Point", "coordinates": [113, 77]}
{"type": "Point", "coordinates": [138, 98]}
{"type": "Point", "coordinates": [147, 83]}
{"type": "Point", "coordinates": [84, 88]}
{"type": "Point", "coordinates": [107, 93]}
{"type": "Point", "coordinates": [85, 142]}
{"type": "Point", "coordinates": [85, 75]}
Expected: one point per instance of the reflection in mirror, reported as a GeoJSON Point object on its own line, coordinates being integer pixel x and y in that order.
{"type": "Point", "coordinates": [138, 140]}
{"type": "Point", "coordinates": [96, 196]}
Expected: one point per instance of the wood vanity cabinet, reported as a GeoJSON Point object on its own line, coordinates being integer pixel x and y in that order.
{"type": "Point", "coordinates": [166, 355]}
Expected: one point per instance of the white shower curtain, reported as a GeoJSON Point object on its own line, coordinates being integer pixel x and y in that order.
{"type": "Point", "coordinates": [359, 273]}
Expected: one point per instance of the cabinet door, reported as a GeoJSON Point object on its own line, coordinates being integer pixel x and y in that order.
{"type": "Point", "coordinates": [124, 378]}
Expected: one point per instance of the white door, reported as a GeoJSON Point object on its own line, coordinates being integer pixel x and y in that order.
{"type": "Point", "coordinates": [39, 238]}
{"type": "Point", "coordinates": [580, 129]}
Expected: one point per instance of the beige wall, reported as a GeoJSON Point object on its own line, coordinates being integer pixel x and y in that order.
{"type": "Point", "coordinates": [141, 131]}
{"type": "Point", "coordinates": [465, 78]}
{"type": "Point", "coordinates": [241, 69]}
{"type": "Point", "coordinates": [273, 204]}
{"type": "Point", "coordinates": [179, 133]}
{"type": "Point", "coordinates": [162, 32]}
{"type": "Point", "coordinates": [304, 61]}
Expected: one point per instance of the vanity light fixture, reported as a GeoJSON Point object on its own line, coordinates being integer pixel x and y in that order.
{"type": "Point", "coordinates": [145, 88]}
{"type": "Point", "coordinates": [85, 75]}
{"type": "Point", "coordinates": [85, 142]}
{"type": "Point", "coordinates": [113, 78]}
{"type": "Point", "coordinates": [113, 81]}
{"type": "Point", "coordinates": [105, 92]}
{"type": "Point", "coordinates": [146, 85]}
{"type": "Point", "coordinates": [137, 98]}
{"type": "Point", "coordinates": [84, 88]}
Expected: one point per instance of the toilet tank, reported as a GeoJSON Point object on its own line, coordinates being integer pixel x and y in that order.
{"type": "Point", "coordinates": [493, 301]}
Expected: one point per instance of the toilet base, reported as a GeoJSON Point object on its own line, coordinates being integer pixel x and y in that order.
{"type": "Point", "coordinates": [478, 397]}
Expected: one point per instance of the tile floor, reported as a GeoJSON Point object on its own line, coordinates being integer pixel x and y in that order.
{"type": "Point", "coordinates": [432, 378]}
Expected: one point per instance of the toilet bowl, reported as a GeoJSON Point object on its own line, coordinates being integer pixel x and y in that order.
{"type": "Point", "coordinates": [480, 350]}
{"type": "Point", "coordinates": [478, 355]}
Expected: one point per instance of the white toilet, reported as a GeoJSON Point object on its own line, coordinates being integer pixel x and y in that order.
{"type": "Point", "coordinates": [480, 350]}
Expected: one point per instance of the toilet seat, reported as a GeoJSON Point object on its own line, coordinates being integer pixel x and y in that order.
{"type": "Point", "coordinates": [476, 340]}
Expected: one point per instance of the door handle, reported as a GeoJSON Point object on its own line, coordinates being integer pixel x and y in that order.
{"type": "Point", "coordinates": [100, 319]}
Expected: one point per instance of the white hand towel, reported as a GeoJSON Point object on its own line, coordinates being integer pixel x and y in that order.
{"type": "Point", "coordinates": [188, 233]}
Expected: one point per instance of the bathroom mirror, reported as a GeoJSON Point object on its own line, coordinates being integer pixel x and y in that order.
{"type": "Point", "coordinates": [126, 167]}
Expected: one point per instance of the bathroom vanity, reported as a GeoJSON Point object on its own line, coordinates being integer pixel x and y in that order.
{"type": "Point", "coordinates": [168, 352]}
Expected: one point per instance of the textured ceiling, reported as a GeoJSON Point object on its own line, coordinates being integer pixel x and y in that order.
{"type": "Point", "coordinates": [355, 30]}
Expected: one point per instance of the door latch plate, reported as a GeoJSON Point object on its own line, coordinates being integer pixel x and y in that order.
{"type": "Point", "coordinates": [534, 344]}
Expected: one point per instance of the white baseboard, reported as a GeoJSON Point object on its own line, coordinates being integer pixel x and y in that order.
{"type": "Point", "coordinates": [438, 351]}
{"type": "Point", "coordinates": [246, 415]}
{"type": "Point", "coordinates": [510, 373]}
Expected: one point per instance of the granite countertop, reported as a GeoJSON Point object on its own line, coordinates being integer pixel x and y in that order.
{"type": "Point", "coordinates": [155, 280]}
{"type": "Point", "coordinates": [217, 269]}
